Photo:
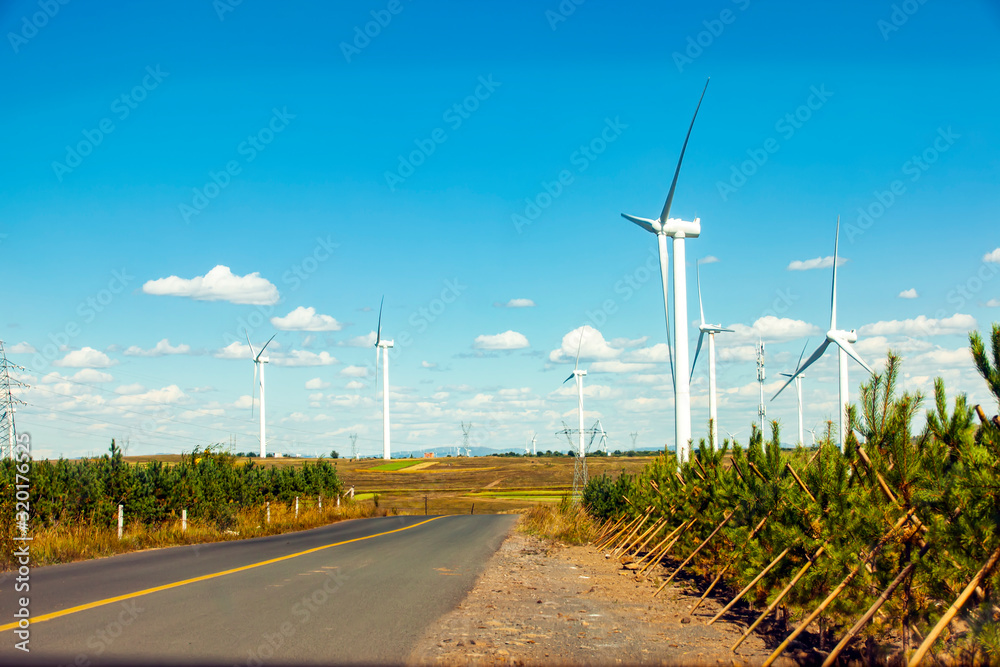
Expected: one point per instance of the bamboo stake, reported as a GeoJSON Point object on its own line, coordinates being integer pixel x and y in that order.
{"type": "Point", "coordinates": [781, 596]}
{"type": "Point", "coordinates": [661, 543]}
{"type": "Point", "coordinates": [618, 550]}
{"type": "Point", "coordinates": [954, 609]}
{"type": "Point", "coordinates": [870, 614]}
{"type": "Point", "coordinates": [609, 525]}
{"type": "Point", "coordinates": [750, 585]}
{"type": "Point", "coordinates": [694, 553]}
{"type": "Point", "coordinates": [797, 479]}
{"type": "Point", "coordinates": [728, 565]}
{"type": "Point", "coordinates": [757, 471]}
{"type": "Point", "coordinates": [618, 533]}
{"type": "Point", "coordinates": [633, 543]}
{"type": "Point", "coordinates": [658, 526]}
{"type": "Point", "coordinates": [623, 533]}
{"type": "Point", "coordinates": [836, 591]}
{"type": "Point", "coordinates": [666, 549]}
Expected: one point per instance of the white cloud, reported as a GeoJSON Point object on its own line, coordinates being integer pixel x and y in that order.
{"type": "Point", "coordinates": [594, 347]}
{"type": "Point", "coordinates": [815, 263]}
{"type": "Point", "coordinates": [219, 284]}
{"type": "Point", "coordinates": [427, 364]}
{"type": "Point", "coordinates": [305, 358]}
{"type": "Point", "coordinates": [234, 350]}
{"type": "Point", "coordinates": [770, 327]}
{"type": "Point", "coordinates": [160, 349]}
{"type": "Point", "coordinates": [615, 366]}
{"type": "Point", "coordinates": [355, 384]}
{"type": "Point", "coordinates": [305, 319]}
{"type": "Point", "coordinates": [316, 383]}
{"type": "Point", "coordinates": [516, 303]}
{"type": "Point", "coordinates": [130, 389]}
{"type": "Point", "coordinates": [90, 375]}
{"type": "Point", "coordinates": [711, 259]}
{"type": "Point", "coordinates": [508, 340]}
{"type": "Point", "coordinates": [908, 294]}
{"type": "Point", "coordinates": [736, 353]}
{"type": "Point", "coordinates": [87, 357]}
{"type": "Point", "coordinates": [993, 256]}
{"type": "Point", "coordinates": [354, 372]}
{"type": "Point", "coordinates": [21, 348]}
{"type": "Point", "coordinates": [993, 303]}
{"type": "Point", "coordinates": [658, 354]}
{"type": "Point", "coordinates": [367, 340]}
{"type": "Point", "coordinates": [921, 326]}
{"type": "Point", "coordinates": [626, 343]}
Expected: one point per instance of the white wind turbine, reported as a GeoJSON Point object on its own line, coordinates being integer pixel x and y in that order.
{"type": "Point", "coordinates": [798, 390]}
{"type": "Point", "coordinates": [578, 374]}
{"type": "Point", "coordinates": [384, 346]}
{"type": "Point", "coordinates": [678, 230]}
{"type": "Point", "coordinates": [258, 367]}
{"type": "Point", "coordinates": [842, 339]}
{"type": "Point", "coordinates": [711, 330]}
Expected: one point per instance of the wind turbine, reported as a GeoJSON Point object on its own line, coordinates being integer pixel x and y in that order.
{"type": "Point", "coordinates": [798, 390]}
{"type": "Point", "coordinates": [258, 365]}
{"type": "Point", "coordinates": [533, 439]}
{"type": "Point", "coordinates": [578, 374]}
{"type": "Point", "coordinates": [732, 434]}
{"type": "Point", "coordinates": [384, 345]}
{"type": "Point", "coordinates": [677, 230]}
{"type": "Point", "coordinates": [711, 330]}
{"type": "Point", "coordinates": [842, 339]}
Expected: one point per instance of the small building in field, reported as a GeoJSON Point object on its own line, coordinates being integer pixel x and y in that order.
{"type": "Point", "coordinates": [428, 455]}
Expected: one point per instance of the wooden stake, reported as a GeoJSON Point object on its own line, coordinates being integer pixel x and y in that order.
{"type": "Point", "coordinates": [728, 565]}
{"type": "Point", "coordinates": [954, 609]}
{"type": "Point", "coordinates": [749, 586]}
{"type": "Point", "coordinates": [694, 553]}
{"type": "Point", "coordinates": [651, 533]}
{"type": "Point", "coordinates": [836, 591]}
{"type": "Point", "coordinates": [631, 534]}
{"type": "Point", "coordinates": [661, 543]}
{"type": "Point", "coordinates": [666, 549]}
{"type": "Point", "coordinates": [781, 596]}
{"type": "Point", "coordinates": [801, 485]}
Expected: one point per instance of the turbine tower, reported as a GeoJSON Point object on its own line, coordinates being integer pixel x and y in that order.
{"type": "Point", "coordinates": [579, 375]}
{"type": "Point", "coordinates": [711, 330]}
{"type": "Point", "coordinates": [384, 346]}
{"type": "Point", "coordinates": [258, 367]}
{"type": "Point", "coordinates": [678, 230]}
{"type": "Point", "coordinates": [761, 408]}
{"type": "Point", "coordinates": [842, 339]}
{"type": "Point", "coordinates": [798, 390]}
{"type": "Point", "coordinates": [534, 437]}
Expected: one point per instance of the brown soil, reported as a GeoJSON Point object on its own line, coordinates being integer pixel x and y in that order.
{"type": "Point", "coordinates": [542, 603]}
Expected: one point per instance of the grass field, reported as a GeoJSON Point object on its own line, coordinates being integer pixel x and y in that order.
{"type": "Point", "coordinates": [457, 485]}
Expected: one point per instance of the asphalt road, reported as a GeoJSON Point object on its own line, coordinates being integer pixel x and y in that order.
{"type": "Point", "coordinates": [366, 601]}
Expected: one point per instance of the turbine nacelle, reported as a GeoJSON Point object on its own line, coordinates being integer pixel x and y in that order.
{"type": "Point", "coordinates": [850, 336]}
{"type": "Point", "coordinates": [673, 227]}
{"type": "Point", "coordinates": [574, 374]}
{"type": "Point", "coordinates": [384, 343]}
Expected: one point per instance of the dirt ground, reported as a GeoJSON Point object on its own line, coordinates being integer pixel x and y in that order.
{"type": "Point", "coordinates": [542, 603]}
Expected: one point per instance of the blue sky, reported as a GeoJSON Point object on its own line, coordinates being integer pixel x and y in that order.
{"type": "Point", "coordinates": [323, 170]}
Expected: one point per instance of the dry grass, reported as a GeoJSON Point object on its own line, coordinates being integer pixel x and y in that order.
{"type": "Point", "coordinates": [565, 523]}
{"type": "Point", "coordinates": [65, 544]}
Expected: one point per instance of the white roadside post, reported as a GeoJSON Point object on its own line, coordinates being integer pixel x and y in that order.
{"type": "Point", "coordinates": [321, 503]}
{"type": "Point", "coordinates": [296, 507]}
{"type": "Point", "coordinates": [121, 520]}
{"type": "Point", "coordinates": [184, 520]}
{"type": "Point", "coordinates": [267, 510]}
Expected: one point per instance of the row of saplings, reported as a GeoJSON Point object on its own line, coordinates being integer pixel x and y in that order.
{"type": "Point", "coordinates": [886, 551]}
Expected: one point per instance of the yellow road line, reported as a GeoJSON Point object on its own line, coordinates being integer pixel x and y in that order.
{"type": "Point", "coordinates": [204, 577]}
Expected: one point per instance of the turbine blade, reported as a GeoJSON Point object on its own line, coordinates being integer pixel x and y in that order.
{"type": "Point", "coordinates": [252, 354]}
{"type": "Point", "coordinates": [579, 346]}
{"type": "Point", "coordinates": [378, 331]}
{"type": "Point", "coordinates": [701, 337]}
{"type": "Point", "coordinates": [815, 355]}
{"type": "Point", "coordinates": [376, 374]}
{"type": "Point", "coordinates": [265, 345]}
{"type": "Point", "coordinates": [724, 331]}
{"type": "Point", "coordinates": [253, 389]}
{"type": "Point", "coordinates": [673, 185]}
{"type": "Point", "coordinates": [642, 222]}
{"type": "Point", "coordinates": [571, 376]}
{"type": "Point", "coordinates": [833, 291]}
{"type": "Point", "coordinates": [799, 362]}
{"type": "Point", "coordinates": [852, 353]}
